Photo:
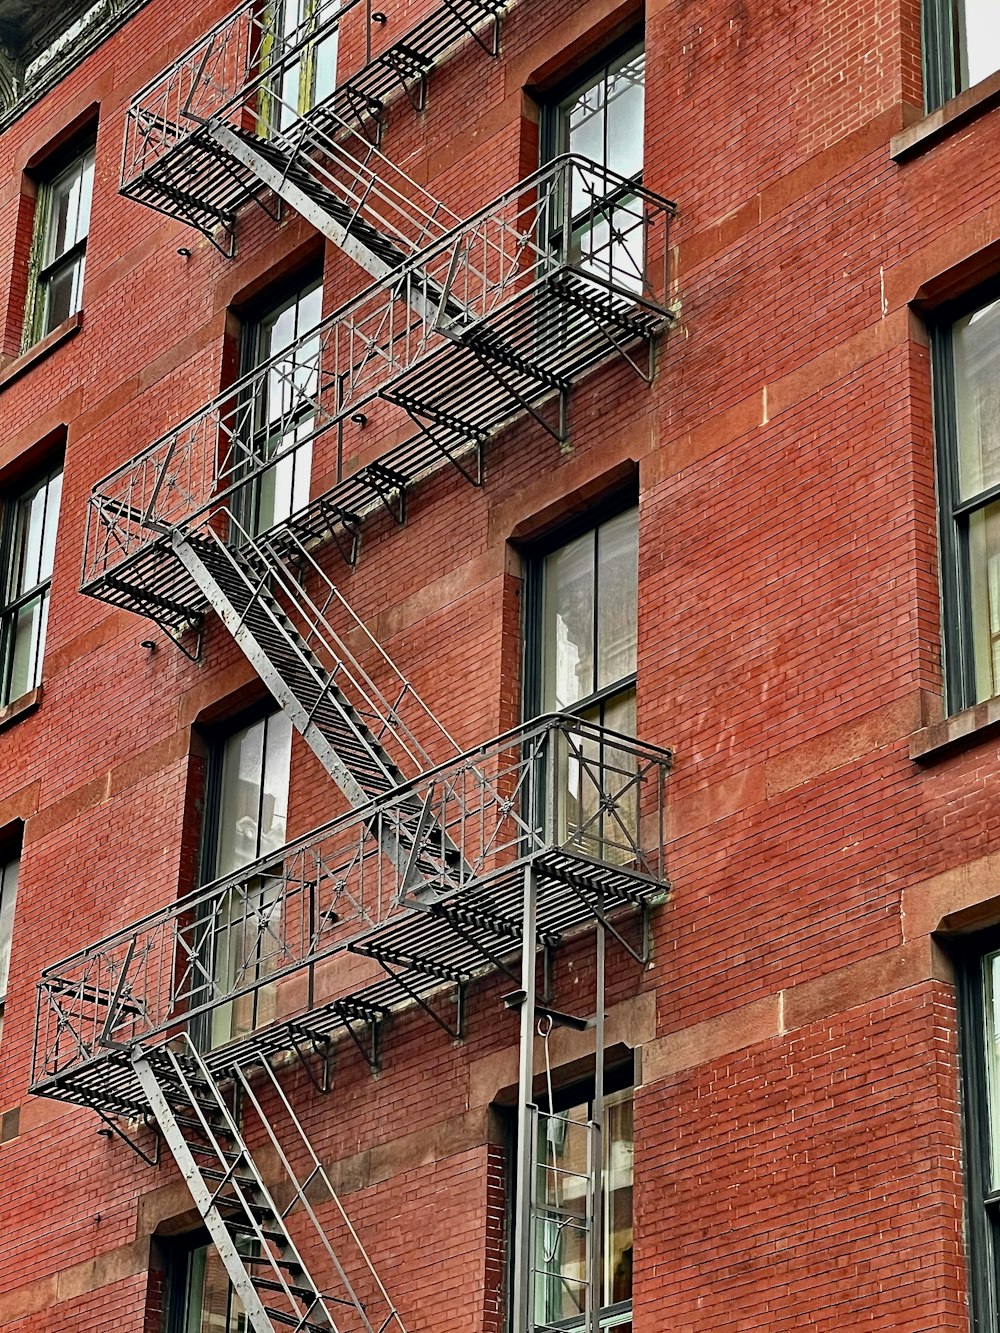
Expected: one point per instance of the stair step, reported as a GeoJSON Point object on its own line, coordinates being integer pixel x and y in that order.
{"type": "Point", "coordinates": [261, 1211]}
{"type": "Point", "coordinates": [289, 1265]}
{"type": "Point", "coordinates": [296, 1321]}
{"type": "Point", "coordinates": [249, 1229]}
{"type": "Point", "coordinates": [272, 1284]}
{"type": "Point", "coordinates": [214, 1173]}
{"type": "Point", "coordinates": [192, 1122]}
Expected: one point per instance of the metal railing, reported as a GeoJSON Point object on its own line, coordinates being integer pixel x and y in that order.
{"type": "Point", "coordinates": [290, 931]}
{"type": "Point", "coordinates": [490, 287]}
{"type": "Point", "coordinates": [225, 73]}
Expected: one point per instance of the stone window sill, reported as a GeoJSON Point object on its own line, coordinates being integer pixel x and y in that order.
{"type": "Point", "coordinates": [13, 370]}
{"type": "Point", "coordinates": [959, 732]}
{"type": "Point", "coordinates": [947, 119]}
{"type": "Point", "coordinates": [19, 708]}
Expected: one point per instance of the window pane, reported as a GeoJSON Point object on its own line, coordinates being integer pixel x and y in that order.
{"type": "Point", "coordinates": [991, 1020]}
{"type": "Point", "coordinates": [28, 541]}
{"type": "Point", "coordinates": [625, 116]}
{"type": "Point", "coordinates": [277, 761]}
{"type": "Point", "coordinates": [326, 68]}
{"type": "Point", "coordinates": [603, 121]}
{"type": "Point", "coordinates": [51, 522]}
{"type": "Point", "coordinates": [68, 215]}
{"type": "Point", "coordinates": [565, 1143]}
{"type": "Point", "coordinates": [253, 821]}
{"type": "Point", "coordinates": [64, 207]}
{"type": "Point", "coordinates": [211, 1306]}
{"type": "Point", "coordinates": [568, 624]}
{"type": "Point", "coordinates": [560, 1241]}
{"type": "Point", "coordinates": [980, 40]}
{"type": "Point", "coordinates": [254, 810]}
{"type": "Point", "coordinates": [617, 597]}
{"type": "Point", "coordinates": [27, 646]}
{"type": "Point", "coordinates": [617, 1238]}
{"type": "Point", "coordinates": [8, 893]}
{"type": "Point", "coordinates": [585, 120]}
{"type": "Point", "coordinates": [984, 598]}
{"type": "Point", "coordinates": [61, 296]}
{"type": "Point", "coordinates": [283, 412]}
{"type": "Point", "coordinates": [976, 340]}
{"type": "Point", "coordinates": [239, 816]}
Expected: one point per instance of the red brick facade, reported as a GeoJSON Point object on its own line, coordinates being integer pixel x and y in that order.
{"type": "Point", "coordinates": [798, 1127]}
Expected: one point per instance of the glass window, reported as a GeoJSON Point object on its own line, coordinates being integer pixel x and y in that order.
{"type": "Point", "coordinates": [961, 46]}
{"type": "Point", "coordinates": [283, 407]}
{"type": "Point", "coordinates": [300, 45]}
{"type": "Point", "coordinates": [589, 602]}
{"type": "Point", "coordinates": [967, 423]}
{"type": "Point", "coordinates": [8, 895]}
{"type": "Point", "coordinates": [601, 120]}
{"type": "Point", "coordinates": [563, 1221]}
{"type": "Point", "coordinates": [59, 249]}
{"type": "Point", "coordinates": [252, 766]}
{"type": "Point", "coordinates": [586, 640]}
{"type": "Point", "coordinates": [29, 538]}
{"type": "Point", "coordinates": [201, 1298]}
{"type": "Point", "coordinates": [978, 991]}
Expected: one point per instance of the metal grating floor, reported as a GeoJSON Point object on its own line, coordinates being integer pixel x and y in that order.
{"type": "Point", "coordinates": [456, 941]}
{"type": "Point", "coordinates": [544, 338]}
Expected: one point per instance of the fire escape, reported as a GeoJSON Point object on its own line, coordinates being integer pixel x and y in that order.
{"type": "Point", "coordinates": [447, 866]}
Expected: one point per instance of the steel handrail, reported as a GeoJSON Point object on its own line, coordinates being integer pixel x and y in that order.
{"type": "Point", "coordinates": [417, 261]}
{"type": "Point", "coordinates": [517, 736]}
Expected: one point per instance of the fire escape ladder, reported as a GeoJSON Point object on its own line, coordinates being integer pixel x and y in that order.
{"type": "Point", "coordinates": [562, 1215]}
{"type": "Point", "coordinates": [254, 1225]}
{"type": "Point", "coordinates": [350, 726]}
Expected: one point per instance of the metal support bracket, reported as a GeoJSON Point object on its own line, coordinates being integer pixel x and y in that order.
{"type": "Point", "coordinates": [386, 484]}
{"type": "Point", "coordinates": [151, 1159]}
{"type": "Point", "coordinates": [455, 1033]}
{"type": "Point", "coordinates": [325, 1082]}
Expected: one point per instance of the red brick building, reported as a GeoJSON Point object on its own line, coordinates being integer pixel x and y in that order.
{"type": "Point", "coordinates": [500, 600]}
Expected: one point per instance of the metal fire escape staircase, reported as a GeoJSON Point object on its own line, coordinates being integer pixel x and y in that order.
{"type": "Point", "coordinates": [465, 327]}
{"type": "Point", "coordinates": [359, 735]}
{"type": "Point", "coordinates": [261, 1235]}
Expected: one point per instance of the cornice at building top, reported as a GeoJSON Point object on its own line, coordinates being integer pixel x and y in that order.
{"type": "Point", "coordinates": [40, 45]}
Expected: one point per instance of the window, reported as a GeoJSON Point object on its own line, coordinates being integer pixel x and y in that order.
{"type": "Point", "coordinates": [283, 410]}
{"type": "Point", "coordinates": [561, 1222]}
{"type": "Point", "coordinates": [961, 46]}
{"type": "Point", "coordinates": [581, 639]}
{"type": "Point", "coordinates": [59, 248]}
{"type": "Point", "coordinates": [8, 894]}
{"type": "Point", "coordinates": [28, 546]}
{"type": "Point", "coordinates": [305, 65]}
{"type": "Point", "coordinates": [200, 1298]}
{"type": "Point", "coordinates": [966, 364]}
{"type": "Point", "coordinates": [248, 791]}
{"type": "Point", "coordinates": [601, 118]}
{"type": "Point", "coordinates": [586, 594]}
{"type": "Point", "coordinates": [978, 991]}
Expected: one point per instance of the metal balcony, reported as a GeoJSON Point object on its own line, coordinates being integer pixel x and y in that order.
{"type": "Point", "coordinates": [324, 938]}
{"type": "Point", "coordinates": [492, 321]}
{"type": "Point", "coordinates": [235, 77]}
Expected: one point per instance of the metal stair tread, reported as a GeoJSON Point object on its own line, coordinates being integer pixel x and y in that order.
{"type": "Point", "coordinates": [298, 1321]}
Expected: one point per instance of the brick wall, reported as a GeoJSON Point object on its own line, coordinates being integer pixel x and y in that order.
{"type": "Point", "coordinates": [797, 1136]}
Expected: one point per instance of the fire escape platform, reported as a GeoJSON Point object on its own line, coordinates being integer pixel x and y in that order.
{"type": "Point", "coordinates": [462, 394]}
{"type": "Point", "coordinates": [423, 952]}
{"type": "Point", "coordinates": [349, 936]}
{"type": "Point", "coordinates": [175, 166]}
